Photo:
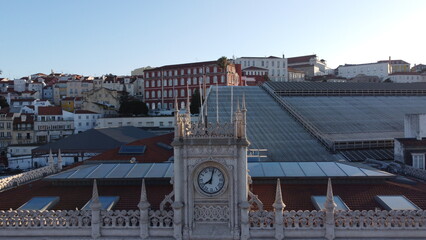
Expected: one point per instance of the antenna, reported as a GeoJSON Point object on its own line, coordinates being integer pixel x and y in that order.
{"type": "Point", "coordinates": [232, 101]}
{"type": "Point", "coordinates": [217, 103]}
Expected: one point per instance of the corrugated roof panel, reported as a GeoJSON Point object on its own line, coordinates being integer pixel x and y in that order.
{"type": "Point", "coordinates": [255, 169]}
{"type": "Point", "coordinates": [272, 169]}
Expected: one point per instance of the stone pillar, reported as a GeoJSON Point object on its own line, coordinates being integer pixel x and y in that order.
{"type": "Point", "coordinates": [96, 212]}
{"type": "Point", "coordinates": [177, 219]}
{"type": "Point", "coordinates": [279, 209]}
{"type": "Point", "coordinates": [144, 214]}
{"type": "Point", "coordinates": [329, 205]}
{"type": "Point", "coordinates": [245, 225]}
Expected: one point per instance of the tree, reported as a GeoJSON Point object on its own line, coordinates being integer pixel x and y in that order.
{"type": "Point", "coordinates": [3, 103]}
{"type": "Point", "coordinates": [195, 102]}
{"type": "Point", "coordinates": [130, 106]}
{"type": "Point", "coordinates": [223, 62]}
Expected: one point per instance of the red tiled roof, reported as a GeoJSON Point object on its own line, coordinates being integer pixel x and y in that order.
{"type": "Point", "coordinates": [72, 197]}
{"type": "Point", "coordinates": [356, 196]}
{"type": "Point", "coordinates": [84, 112]}
{"type": "Point", "coordinates": [295, 196]}
{"type": "Point", "coordinates": [294, 70]}
{"type": "Point", "coordinates": [28, 119]}
{"type": "Point", "coordinates": [300, 59]}
{"type": "Point", "coordinates": [153, 152]}
{"type": "Point", "coordinates": [50, 110]}
{"type": "Point", "coordinates": [184, 65]}
{"type": "Point", "coordinates": [412, 141]}
{"type": "Point", "coordinates": [406, 73]}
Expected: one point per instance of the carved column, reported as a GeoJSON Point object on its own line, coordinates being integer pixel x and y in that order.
{"type": "Point", "coordinates": [245, 225]}
{"type": "Point", "coordinates": [144, 216]}
{"type": "Point", "coordinates": [96, 213]}
{"type": "Point", "coordinates": [279, 209]}
{"type": "Point", "coordinates": [177, 220]}
{"type": "Point", "coordinates": [329, 205]}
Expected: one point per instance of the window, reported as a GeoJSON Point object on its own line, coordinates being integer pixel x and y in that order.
{"type": "Point", "coordinates": [418, 161]}
{"type": "Point", "coordinates": [158, 83]}
{"type": "Point", "coordinates": [194, 81]}
{"type": "Point", "coordinates": [399, 202]}
{"type": "Point", "coordinates": [182, 93]}
{"type": "Point", "coordinates": [182, 81]}
{"type": "Point", "coordinates": [153, 84]}
{"type": "Point", "coordinates": [165, 83]}
{"type": "Point", "coordinates": [319, 201]}
{"type": "Point", "coordinates": [215, 69]}
{"type": "Point", "coordinates": [170, 82]}
{"type": "Point", "coordinates": [153, 94]}
{"type": "Point", "coordinates": [107, 202]}
{"type": "Point", "coordinates": [147, 94]}
{"type": "Point", "coordinates": [40, 203]}
{"type": "Point", "coordinates": [159, 93]}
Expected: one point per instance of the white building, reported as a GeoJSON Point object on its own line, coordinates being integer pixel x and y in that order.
{"type": "Point", "coordinates": [161, 122]}
{"type": "Point", "coordinates": [407, 77]}
{"type": "Point", "coordinates": [380, 70]}
{"type": "Point", "coordinates": [277, 67]}
{"type": "Point", "coordinates": [85, 120]}
{"type": "Point", "coordinates": [19, 85]}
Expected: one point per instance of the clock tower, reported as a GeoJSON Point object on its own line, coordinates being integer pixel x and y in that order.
{"type": "Point", "coordinates": [210, 181]}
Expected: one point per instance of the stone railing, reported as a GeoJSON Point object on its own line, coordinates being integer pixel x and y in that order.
{"type": "Point", "coordinates": [380, 219]}
{"type": "Point", "coordinates": [160, 219]}
{"type": "Point", "coordinates": [120, 219]}
{"type": "Point", "coordinates": [24, 177]}
{"type": "Point", "coordinates": [45, 219]}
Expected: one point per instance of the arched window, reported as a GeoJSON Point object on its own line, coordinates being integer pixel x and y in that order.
{"type": "Point", "coordinates": [222, 79]}
{"type": "Point", "coordinates": [146, 94]}
{"type": "Point", "coordinates": [152, 83]}
{"type": "Point", "coordinates": [165, 83]}
{"type": "Point", "coordinates": [147, 84]}
{"type": "Point", "coordinates": [170, 82]}
{"type": "Point", "coordinates": [194, 81]}
{"type": "Point", "coordinates": [215, 79]}
{"type": "Point", "coordinates": [175, 81]}
{"type": "Point", "coordinates": [153, 94]}
{"type": "Point", "coordinates": [153, 106]}
{"type": "Point", "coordinates": [159, 93]}
{"type": "Point", "coordinates": [214, 70]}
{"type": "Point", "coordinates": [182, 81]}
{"type": "Point", "coordinates": [182, 104]}
{"type": "Point", "coordinates": [188, 81]}
{"type": "Point", "coordinates": [208, 80]}
{"type": "Point", "coordinates": [158, 83]}
{"type": "Point", "coordinates": [182, 92]}
{"type": "Point", "coordinates": [165, 93]}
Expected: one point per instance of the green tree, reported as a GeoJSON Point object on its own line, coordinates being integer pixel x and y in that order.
{"type": "Point", "coordinates": [133, 107]}
{"type": "Point", "coordinates": [195, 102]}
{"type": "Point", "coordinates": [223, 63]}
{"type": "Point", "coordinates": [3, 102]}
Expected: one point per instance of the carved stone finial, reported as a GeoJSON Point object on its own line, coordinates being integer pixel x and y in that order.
{"type": "Point", "coordinates": [96, 205]}
{"type": "Point", "coordinates": [50, 159]}
{"type": "Point", "coordinates": [329, 204]}
{"type": "Point", "coordinates": [278, 204]}
{"type": "Point", "coordinates": [59, 160]}
{"type": "Point", "coordinates": [143, 202]}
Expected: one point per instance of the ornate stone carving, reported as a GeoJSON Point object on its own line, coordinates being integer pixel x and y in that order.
{"type": "Point", "coordinates": [380, 219]}
{"type": "Point", "coordinates": [45, 219]}
{"type": "Point", "coordinates": [211, 130]}
{"type": "Point", "coordinates": [211, 213]}
{"type": "Point", "coordinates": [261, 219]}
{"type": "Point", "coordinates": [255, 202]}
{"type": "Point", "coordinates": [120, 219]}
{"type": "Point", "coordinates": [304, 219]}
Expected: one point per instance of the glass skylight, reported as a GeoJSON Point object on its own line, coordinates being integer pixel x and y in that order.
{"type": "Point", "coordinates": [319, 201]}
{"type": "Point", "coordinates": [399, 202]}
{"type": "Point", "coordinates": [107, 202]}
{"type": "Point", "coordinates": [40, 203]}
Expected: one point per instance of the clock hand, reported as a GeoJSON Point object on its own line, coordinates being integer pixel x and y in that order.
{"type": "Point", "coordinates": [211, 178]}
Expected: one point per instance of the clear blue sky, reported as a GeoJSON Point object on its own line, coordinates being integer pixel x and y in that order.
{"type": "Point", "coordinates": [98, 37]}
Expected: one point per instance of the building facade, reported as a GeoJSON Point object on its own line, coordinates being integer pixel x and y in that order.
{"type": "Point", "coordinates": [103, 101]}
{"type": "Point", "coordinates": [164, 84]}
{"type": "Point", "coordinates": [276, 67]}
{"type": "Point", "coordinates": [381, 70]}
{"type": "Point", "coordinates": [407, 77]}
{"type": "Point", "coordinates": [52, 124]}
{"type": "Point", "coordinates": [311, 65]}
{"type": "Point", "coordinates": [85, 120]}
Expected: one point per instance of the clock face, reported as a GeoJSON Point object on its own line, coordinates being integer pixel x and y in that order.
{"type": "Point", "coordinates": [211, 180]}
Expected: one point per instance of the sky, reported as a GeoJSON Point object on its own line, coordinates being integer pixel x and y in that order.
{"type": "Point", "coordinates": [99, 37]}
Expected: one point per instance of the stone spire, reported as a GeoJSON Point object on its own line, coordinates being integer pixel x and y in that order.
{"type": "Point", "coordinates": [50, 159]}
{"type": "Point", "coordinates": [96, 205]}
{"type": "Point", "coordinates": [329, 204]}
{"type": "Point", "coordinates": [278, 204]}
{"type": "Point", "coordinates": [59, 160]}
{"type": "Point", "coordinates": [143, 201]}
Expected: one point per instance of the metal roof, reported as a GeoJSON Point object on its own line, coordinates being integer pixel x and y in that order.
{"type": "Point", "coordinates": [269, 126]}
{"type": "Point", "coordinates": [256, 170]}
{"type": "Point", "coordinates": [358, 117]}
